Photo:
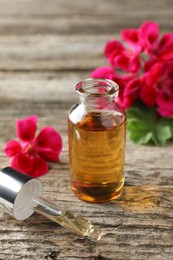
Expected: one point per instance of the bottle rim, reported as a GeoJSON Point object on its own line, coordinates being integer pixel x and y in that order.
{"type": "Point", "coordinates": [97, 87]}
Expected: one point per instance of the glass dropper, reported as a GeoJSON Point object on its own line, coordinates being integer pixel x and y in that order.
{"type": "Point", "coordinates": [68, 219]}
{"type": "Point", "coordinates": [21, 196]}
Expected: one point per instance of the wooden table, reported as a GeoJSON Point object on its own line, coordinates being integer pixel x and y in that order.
{"type": "Point", "coordinates": [46, 47]}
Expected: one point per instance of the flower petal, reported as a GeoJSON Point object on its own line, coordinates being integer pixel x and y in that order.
{"type": "Point", "coordinates": [166, 42]}
{"type": "Point", "coordinates": [22, 163]}
{"type": "Point", "coordinates": [150, 34]}
{"type": "Point", "coordinates": [103, 72]}
{"type": "Point", "coordinates": [165, 47]}
{"type": "Point", "coordinates": [148, 95]}
{"type": "Point", "coordinates": [131, 92]}
{"type": "Point", "coordinates": [153, 75]}
{"type": "Point", "coordinates": [120, 60]}
{"type": "Point", "coordinates": [165, 101]}
{"type": "Point", "coordinates": [132, 36]}
{"type": "Point", "coordinates": [125, 59]}
{"type": "Point", "coordinates": [48, 144]}
{"type": "Point", "coordinates": [26, 128]}
{"type": "Point", "coordinates": [48, 154]}
{"type": "Point", "coordinates": [150, 79]}
{"type": "Point", "coordinates": [40, 167]}
{"type": "Point", "coordinates": [166, 55]}
{"type": "Point", "coordinates": [168, 72]}
{"type": "Point", "coordinates": [112, 46]}
{"type": "Point", "coordinates": [12, 148]}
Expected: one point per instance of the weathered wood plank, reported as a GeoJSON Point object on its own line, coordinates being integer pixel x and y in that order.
{"type": "Point", "coordinates": [42, 52]}
{"type": "Point", "coordinates": [54, 8]}
{"type": "Point", "coordinates": [146, 204]}
{"type": "Point", "coordinates": [57, 87]}
{"type": "Point", "coordinates": [83, 24]}
{"type": "Point", "coordinates": [81, 17]}
{"type": "Point", "coordinates": [125, 221]}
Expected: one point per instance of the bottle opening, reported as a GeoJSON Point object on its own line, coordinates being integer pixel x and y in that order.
{"type": "Point", "coordinates": [97, 87]}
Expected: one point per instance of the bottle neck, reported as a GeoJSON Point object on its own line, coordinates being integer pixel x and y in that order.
{"type": "Point", "coordinates": [97, 94]}
{"type": "Point", "coordinates": [96, 103]}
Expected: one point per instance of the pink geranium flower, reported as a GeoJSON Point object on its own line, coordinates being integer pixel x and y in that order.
{"type": "Point", "coordinates": [121, 80]}
{"type": "Point", "coordinates": [165, 93]}
{"type": "Point", "coordinates": [149, 81]}
{"type": "Point", "coordinates": [120, 57]}
{"type": "Point", "coordinates": [104, 72]}
{"type": "Point", "coordinates": [142, 67]}
{"type": "Point", "coordinates": [165, 101]}
{"type": "Point", "coordinates": [146, 39]}
{"type": "Point", "coordinates": [149, 34]}
{"type": "Point", "coordinates": [30, 154]}
{"type": "Point", "coordinates": [131, 92]}
{"type": "Point", "coordinates": [134, 39]}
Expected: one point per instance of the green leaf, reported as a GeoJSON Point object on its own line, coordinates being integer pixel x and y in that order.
{"type": "Point", "coordinates": [168, 122]}
{"type": "Point", "coordinates": [145, 126]}
{"type": "Point", "coordinates": [134, 112]}
{"type": "Point", "coordinates": [161, 134]}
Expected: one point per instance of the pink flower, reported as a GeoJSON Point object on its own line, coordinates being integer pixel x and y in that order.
{"type": "Point", "coordinates": [146, 39]}
{"type": "Point", "coordinates": [160, 49]}
{"type": "Point", "coordinates": [133, 38]}
{"type": "Point", "coordinates": [120, 57]}
{"type": "Point", "coordinates": [165, 93]}
{"type": "Point", "coordinates": [149, 33]}
{"type": "Point", "coordinates": [104, 72]}
{"type": "Point", "coordinates": [109, 73]}
{"type": "Point", "coordinates": [143, 68]}
{"type": "Point", "coordinates": [131, 92]}
{"type": "Point", "coordinates": [144, 87]}
{"type": "Point", "coordinates": [165, 101]}
{"type": "Point", "coordinates": [149, 82]}
{"type": "Point", "coordinates": [30, 154]}
{"type": "Point", "coordinates": [165, 48]}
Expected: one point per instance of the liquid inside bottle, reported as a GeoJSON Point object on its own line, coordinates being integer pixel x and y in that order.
{"type": "Point", "coordinates": [96, 148]}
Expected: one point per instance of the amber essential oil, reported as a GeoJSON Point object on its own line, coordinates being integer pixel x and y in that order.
{"type": "Point", "coordinates": [96, 148]}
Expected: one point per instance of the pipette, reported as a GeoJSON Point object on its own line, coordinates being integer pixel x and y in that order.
{"type": "Point", "coordinates": [21, 196]}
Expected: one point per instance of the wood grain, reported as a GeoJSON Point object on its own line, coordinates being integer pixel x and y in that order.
{"type": "Point", "coordinates": [46, 47]}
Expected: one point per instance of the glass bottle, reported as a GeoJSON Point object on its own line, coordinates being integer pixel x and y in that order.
{"type": "Point", "coordinates": [96, 132]}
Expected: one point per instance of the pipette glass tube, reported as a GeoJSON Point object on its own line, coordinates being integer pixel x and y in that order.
{"type": "Point", "coordinates": [68, 219]}
{"type": "Point", "coordinates": [20, 196]}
